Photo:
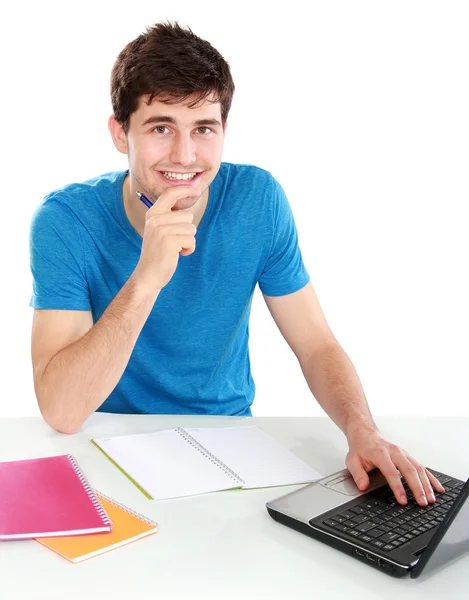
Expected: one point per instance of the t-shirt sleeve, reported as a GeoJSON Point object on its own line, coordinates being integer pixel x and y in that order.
{"type": "Point", "coordinates": [57, 259]}
{"type": "Point", "coordinates": [284, 271]}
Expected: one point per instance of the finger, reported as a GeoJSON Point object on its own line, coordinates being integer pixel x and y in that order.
{"type": "Point", "coordinates": [389, 469]}
{"type": "Point", "coordinates": [357, 471]}
{"type": "Point", "coordinates": [426, 480]}
{"type": "Point", "coordinates": [415, 475]}
{"type": "Point", "coordinates": [170, 196]}
{"type": "Point", "coordinates": [169, 218]}
{"type": "Point", "coordinates": [434, 481]}
{"type": "Point", "coordinates": [186, 244]}
{"type": "Point", "coordinates": [171, 229]}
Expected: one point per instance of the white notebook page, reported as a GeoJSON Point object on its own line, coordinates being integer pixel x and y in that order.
{"type": "Point", "coordinates": [165, 465]}
{"type": "Point", "coordinates": [254, 455]}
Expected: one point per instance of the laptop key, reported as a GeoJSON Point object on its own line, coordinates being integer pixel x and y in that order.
{"type": "Point", "coordinates": [388, 547]}
{"type": "Point", "coordinates": [374, 533]}
{"type": "Point", "coordinates": [349, 523]}
{"type": "Point", "coordinates": [421, 529]}
{"type": "Point", "coordinates": [330, 522]}
{"type": "Point", "coordinates": [379, 519]}
{"type": "Point", "coordinates": [400, 530]}
{"type": "Point", "coordinates": [359, 519]}
{"type": "Point", "coordinates": [354, 533]}
{"type": "Point", "coordinates": [364, 527]}
{"type": "Point", "coordinates": [378, 543]}
{"type": "Point", "coordinates": [341, 527]}
{"type": "Point", "coordinates": [385, 528]}
{"type": "Point", "coordinates": [444, 479]}
{"type": "Point", "coordinates": [348, 514]}
{"type": "Point", "coordinates": [389, 537]}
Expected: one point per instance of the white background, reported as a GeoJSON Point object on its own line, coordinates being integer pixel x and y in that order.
{"type": "Point", "coordinates": [358, 108]}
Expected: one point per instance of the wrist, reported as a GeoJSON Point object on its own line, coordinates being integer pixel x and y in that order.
{"type": "Point", "coordinates": [360, 428]}
{"type": "Point", "coordinates": [142, 288]}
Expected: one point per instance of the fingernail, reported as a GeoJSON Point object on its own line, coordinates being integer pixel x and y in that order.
{"type": "Point", "coordinates": [424, 500]}
{"type": "Point", "coordinates": [432, 496]}
{"type": "Point", "coordinates": [404, 499]}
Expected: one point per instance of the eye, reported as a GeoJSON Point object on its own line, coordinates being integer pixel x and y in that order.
{"type": "Point", "coordinates": [159, 128]}
{"type": "Point", "coordinates": [204, 130]}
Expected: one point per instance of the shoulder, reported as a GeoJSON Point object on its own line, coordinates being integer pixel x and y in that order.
{"type": "Point", "coordinates": [75, 198]}
{"type": "Point", "coordinates": [246, 175]}
{"type": "Point", "coordinates": [249, 185]}
{"type": "Point", "coordinates": [72, 193]}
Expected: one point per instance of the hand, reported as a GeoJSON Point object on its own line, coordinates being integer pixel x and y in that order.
{"type": "Point", "coordinates": [167, 235]}
{"type": "Point", "coordinates": [369, 450]}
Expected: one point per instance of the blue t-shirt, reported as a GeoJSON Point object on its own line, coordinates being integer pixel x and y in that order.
{"type": "Point", "coordinates": [192, 354]}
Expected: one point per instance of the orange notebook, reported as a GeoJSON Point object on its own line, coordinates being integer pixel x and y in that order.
{"type": "Point", "coordinates": [128, 526]}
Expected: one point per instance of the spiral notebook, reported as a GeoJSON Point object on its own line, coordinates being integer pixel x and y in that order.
{"type": "Point", "coordinates": [183, 462]}
{"type": "Point", "coordinates": [128, 526]}
{"type": "Point", "coordinates": [49, 496]}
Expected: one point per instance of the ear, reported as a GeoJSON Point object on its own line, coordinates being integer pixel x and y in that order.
{"type": "Point", "coordinates": [118, 134]}
{"type": "Point", "coordinates": [225, 126]}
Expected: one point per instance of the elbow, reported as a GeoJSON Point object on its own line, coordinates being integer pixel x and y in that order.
{"type": "Point", "coordinates": [60, 424]}
{"type": "Point", "coordinates": [66, 428]}
{"type": "Point", "coordinates": [57, 420]}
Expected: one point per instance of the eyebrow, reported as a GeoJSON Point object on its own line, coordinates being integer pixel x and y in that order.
{"type": "Point", "coordinates": [154, 120]}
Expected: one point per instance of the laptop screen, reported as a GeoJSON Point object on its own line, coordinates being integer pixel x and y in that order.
{"type": "Point", "coordinates": [451, 540]}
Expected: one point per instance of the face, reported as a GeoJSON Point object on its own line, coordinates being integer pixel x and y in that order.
{"type": "Point", "coordinates": [172, 144]}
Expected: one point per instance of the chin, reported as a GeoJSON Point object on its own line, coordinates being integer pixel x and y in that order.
{"type": "Point", "coordinates": [184, 204]}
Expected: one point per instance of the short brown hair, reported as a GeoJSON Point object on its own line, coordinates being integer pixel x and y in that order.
{"type": "Point", "coordinates": [171, 63]}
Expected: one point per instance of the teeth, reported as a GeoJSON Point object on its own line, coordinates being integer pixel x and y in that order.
{"type": "Point", "coordinates": [179, 176]}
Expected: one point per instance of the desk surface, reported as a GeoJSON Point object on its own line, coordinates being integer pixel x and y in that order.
{"type": "Point", "coordinates": [224, 544]}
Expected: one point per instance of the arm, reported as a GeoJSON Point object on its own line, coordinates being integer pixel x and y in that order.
{"type": "Point", "coordinates": [77, 364]}
{"type": "Point", "coordinates": [334, 382]}
{"type": "Point", "coordinates": [328, 370]}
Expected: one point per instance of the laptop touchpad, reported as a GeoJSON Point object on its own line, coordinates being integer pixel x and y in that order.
{"type": "Point", "coordinates": [343, 483]}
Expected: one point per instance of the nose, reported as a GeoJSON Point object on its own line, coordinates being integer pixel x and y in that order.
{"type": "Point", "coordinates": [183, 150]}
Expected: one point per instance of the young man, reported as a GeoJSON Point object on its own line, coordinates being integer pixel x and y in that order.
{"type": "Point", "coordinates": [143, 280]}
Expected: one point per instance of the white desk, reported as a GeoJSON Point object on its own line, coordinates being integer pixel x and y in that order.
{"type": "Point", "coordinates": [221, 545]}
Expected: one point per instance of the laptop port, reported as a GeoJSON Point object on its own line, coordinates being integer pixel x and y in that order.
{"type": "Point", "coordinates": [359, 552]}
{"type": "Point", "coordinates": [370, 557]}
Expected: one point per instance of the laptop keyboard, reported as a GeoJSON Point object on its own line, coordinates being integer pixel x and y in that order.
{"type": "Point", "coordinates": [385, 524]}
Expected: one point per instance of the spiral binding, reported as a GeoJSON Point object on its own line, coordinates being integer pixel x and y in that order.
{"type": "Point", "coordinates": [221, 465]}
{"type": "Point", "coordinates": [127, 510]}
{"type": "Point", "coordinates": [84, 481]}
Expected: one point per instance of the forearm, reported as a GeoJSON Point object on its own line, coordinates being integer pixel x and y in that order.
{"type": "Point", "coordinates": [334, 382]}
{"type": "Point", "coordinates": [81, 376]}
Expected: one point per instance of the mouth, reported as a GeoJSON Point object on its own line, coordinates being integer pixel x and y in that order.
{"type": "Point", "coordinates": [179, 178]}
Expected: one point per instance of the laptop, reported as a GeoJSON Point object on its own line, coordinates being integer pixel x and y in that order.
{"type": "Point", "coordinates": [374, 528]}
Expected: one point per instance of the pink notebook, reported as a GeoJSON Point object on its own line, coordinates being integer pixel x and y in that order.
{"type": "Point", "coordinates": [47, 497]}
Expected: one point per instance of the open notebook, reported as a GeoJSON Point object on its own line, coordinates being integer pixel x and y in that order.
{"type": "Point", "coordinates": [182, 462]}
{"type": "Point", "coordinates": [128, 526]}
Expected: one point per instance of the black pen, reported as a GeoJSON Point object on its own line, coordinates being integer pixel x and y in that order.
{"type": "Point", "coordinates": [144, 199]}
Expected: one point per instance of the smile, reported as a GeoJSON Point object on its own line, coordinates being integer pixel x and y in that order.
{"type": "Point", "coordinates": [178, 176]}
